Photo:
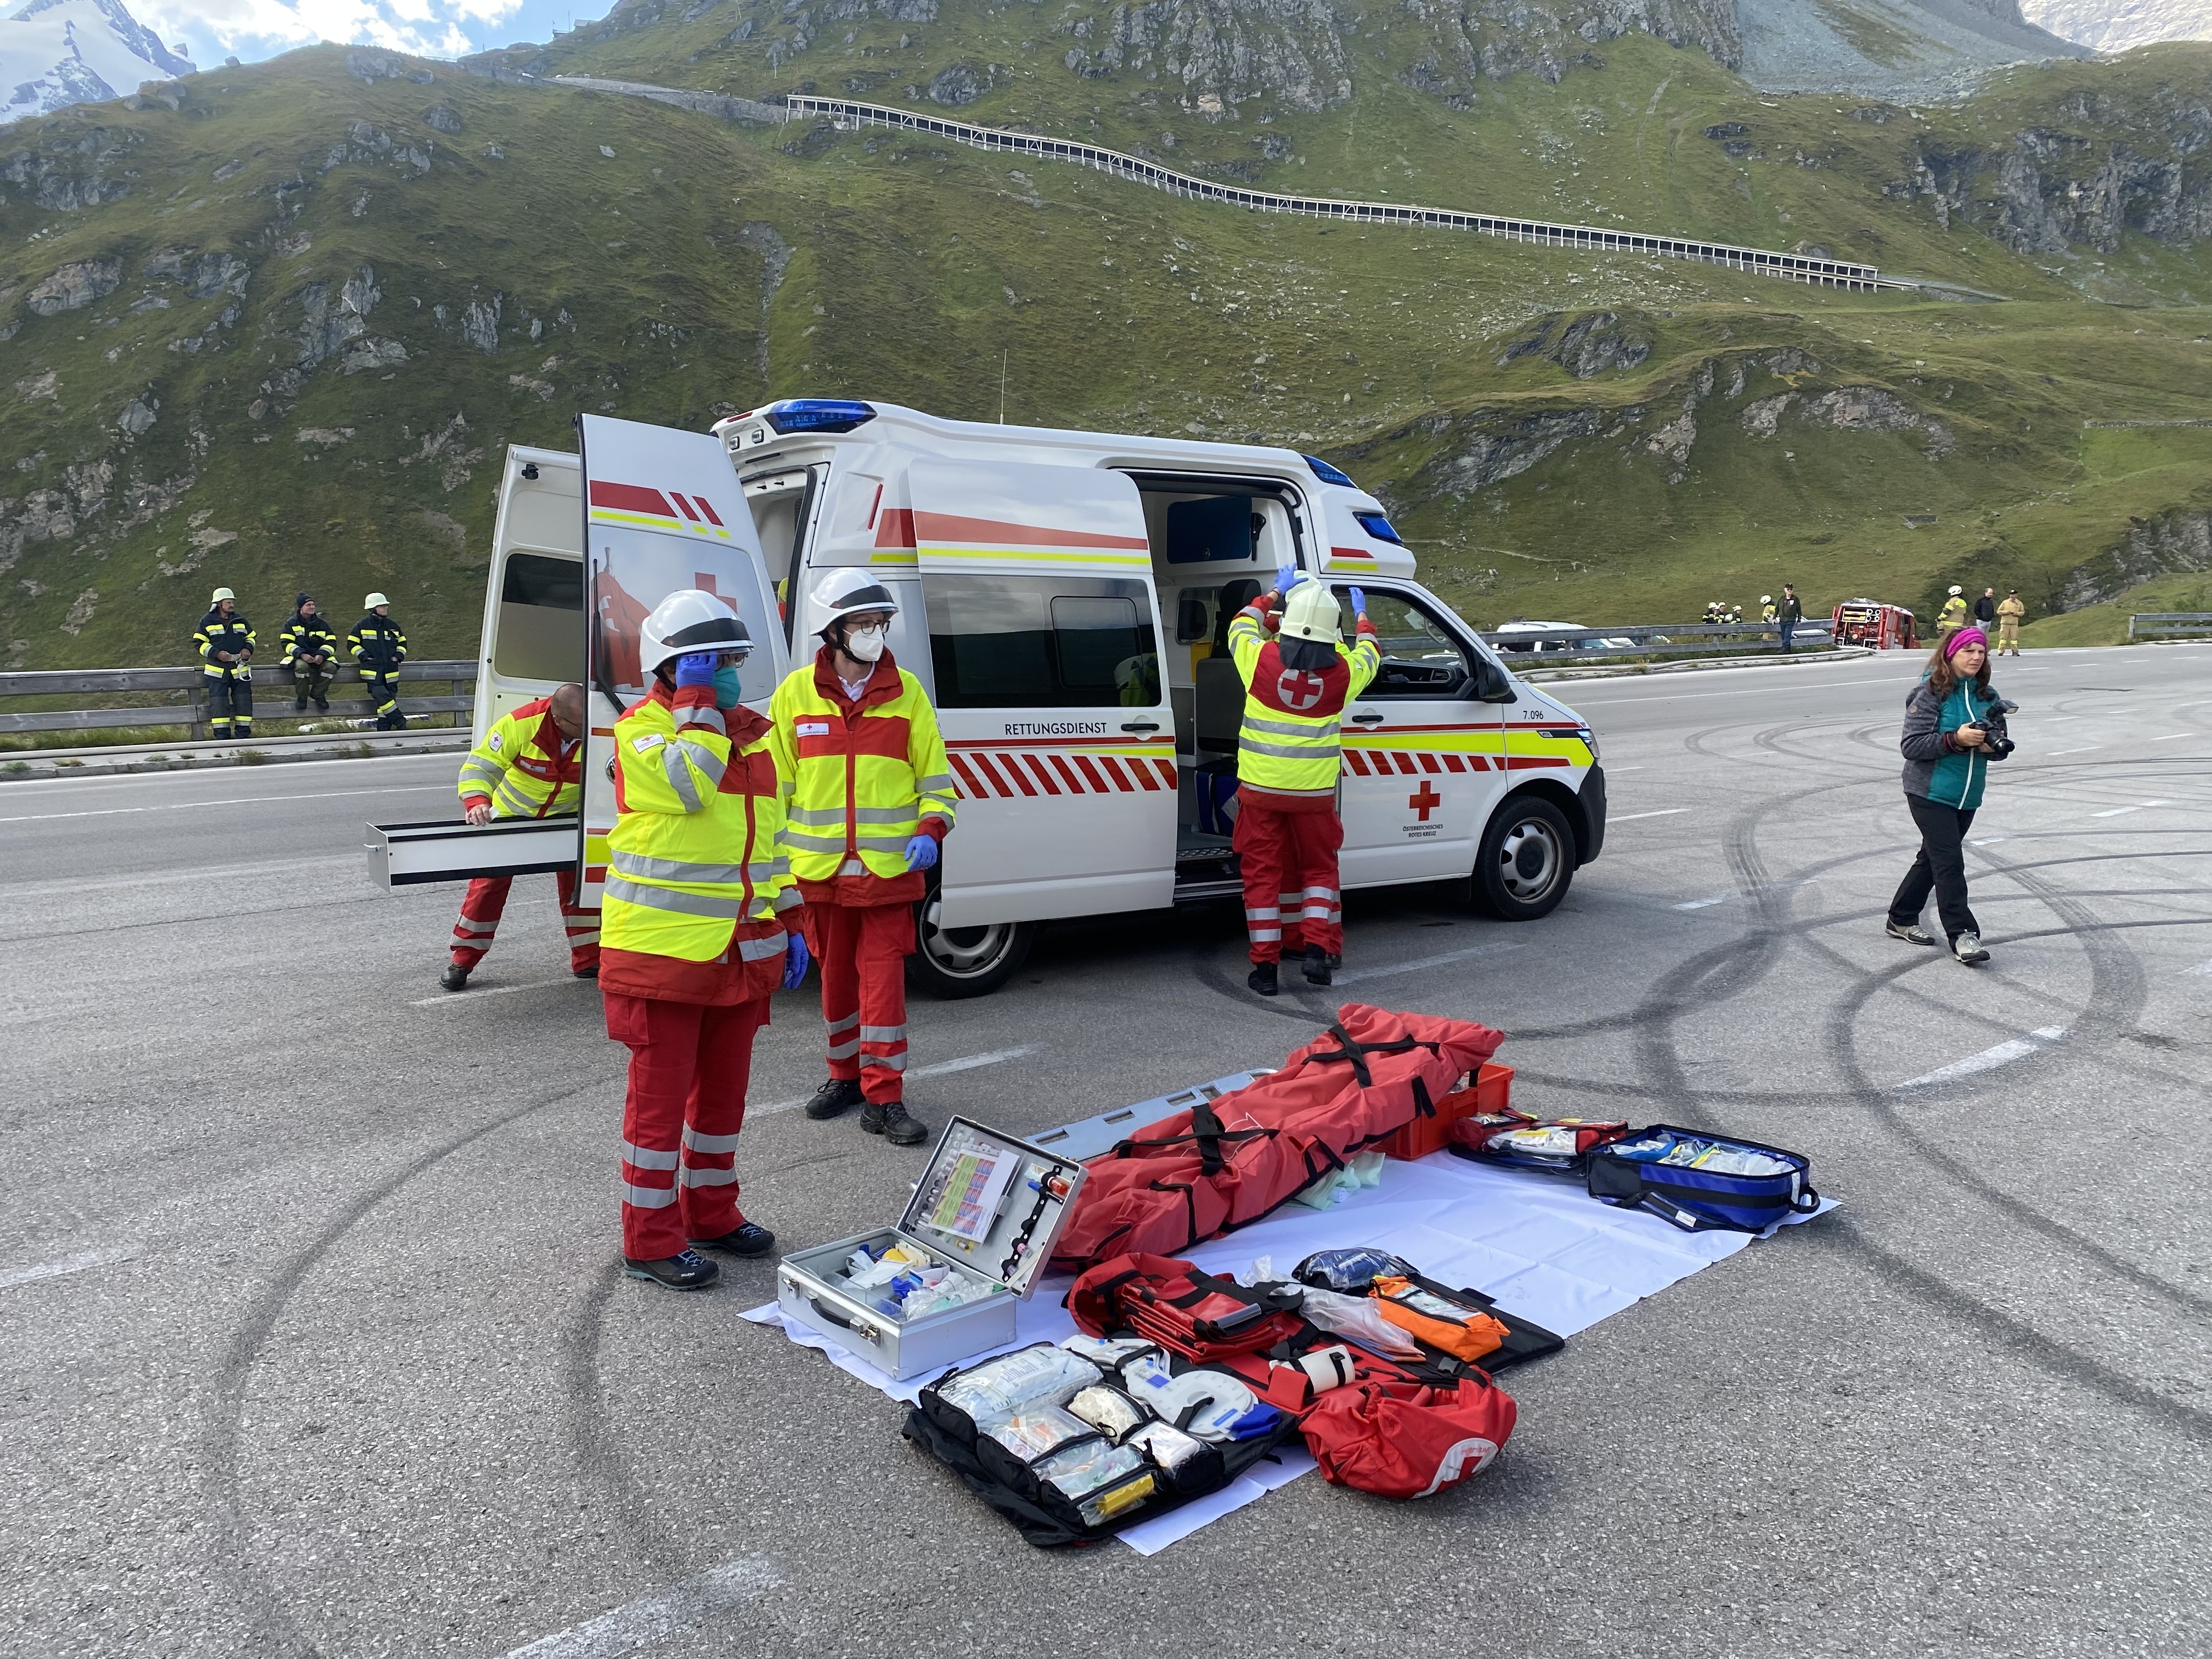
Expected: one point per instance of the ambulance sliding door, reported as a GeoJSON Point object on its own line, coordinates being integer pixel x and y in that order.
{"type": "Point", "coordinates": [1044, 644]}
{"type": "Point", "coordinates": [662, 510]}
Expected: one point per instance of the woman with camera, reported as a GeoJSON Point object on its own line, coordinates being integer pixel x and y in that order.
{"type": "Point", "coordinates": [1954, 728]}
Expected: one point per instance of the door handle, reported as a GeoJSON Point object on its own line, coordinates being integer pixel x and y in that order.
{"type": "Point", "coordinates": [1367, 720]}
{"type": "Point", "coordinates": [1140, 725]}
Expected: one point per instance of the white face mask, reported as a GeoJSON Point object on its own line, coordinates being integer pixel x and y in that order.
{"type": "Point", "coordinates": [865, 644]}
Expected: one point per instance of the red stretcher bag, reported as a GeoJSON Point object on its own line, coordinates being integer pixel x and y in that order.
{"type": "Point", "coordinates": [1407, 1439]}
{"type": "Point", "coordinates": [1182, 1308]}
{"type": "Point", "coordinates": [1225, 1163]}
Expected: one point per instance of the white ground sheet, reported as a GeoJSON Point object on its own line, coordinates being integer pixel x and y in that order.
{"type": "Point", "coordinates": [1540, 1245]}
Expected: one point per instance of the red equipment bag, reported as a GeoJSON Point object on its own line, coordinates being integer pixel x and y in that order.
{"type": "Point", "coordinates": [1225, 1163]}
{"type": "Point", "coordinates": [1517, 1140]}
{"type": "Point", "coordinates": [1407, 1439]}
{"type": "Point", "coordinates": [1176, 1305]}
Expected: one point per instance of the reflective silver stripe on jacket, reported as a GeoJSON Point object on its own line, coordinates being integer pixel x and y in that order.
{"type": "Point", "coordinates": [883, 1033]}
{"type": "Point", "coordinates": [665, 898]}
{"type": "Point", "coordinates": [1285, 751]}
{"type": "Point", "coordinates": [688, 1177]}
{"type": "Point", "coordinates": [884, 1063]}
{"type": "Point", "coordinates": [484, 771]}
{"type": "Point", "coordinates": [1291, 728]}
{"type": "Point", "coordinates": [937, 783]}
{"type": "Point", "coordinates": [720, 875]}
{"type": "Point", "coordinates": [679, 777]}
{"type": "Point", "coordinates": [760, 950]}
{"type": "Point", "coordinates": [712, 1146]}
{"type": "Point", "coordinates": [644, 1157]}
{"type": "Point", "coordinates": [709, 718]}
{"type": "Point", "coordinates": [806, 843]}
{"type": "Point", "coordinates": [649, 1198]}
{"type": "Point", "coordinates": [821, 816]}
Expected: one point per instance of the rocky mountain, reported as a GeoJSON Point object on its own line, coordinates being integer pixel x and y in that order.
{"type": "Point", "coordinates": [57, 53]}
{"type": "Point", "coordinates": [1904, 49]}
{"type": "Point", "coordinates": [2122, 25]}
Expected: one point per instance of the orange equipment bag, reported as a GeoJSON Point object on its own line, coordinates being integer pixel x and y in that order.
{"type": "Point", "coordinates": [1441, 1323]}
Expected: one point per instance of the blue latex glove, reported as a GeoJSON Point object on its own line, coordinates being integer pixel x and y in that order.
{"type": "Point", "coordinates": [1285, 576]}
{"type": "Point", "coordinates": [921, 853]}
{"type": "Point", "coordinates": [1358, 602]}
{"type": "Point", "coordinates": [696, 668]}
{"type": "Point", "coordinates": [795, 962]}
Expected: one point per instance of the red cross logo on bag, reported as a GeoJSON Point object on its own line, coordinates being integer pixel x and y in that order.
{"type": "Point", "coordinates": [1298, 689]}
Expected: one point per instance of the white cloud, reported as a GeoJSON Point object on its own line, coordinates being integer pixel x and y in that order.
{"type": "Point", "coordinates": [254, 29]}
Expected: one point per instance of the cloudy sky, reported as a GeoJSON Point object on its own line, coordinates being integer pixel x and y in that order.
{"type": "Point", "coordinates": [253, 29]}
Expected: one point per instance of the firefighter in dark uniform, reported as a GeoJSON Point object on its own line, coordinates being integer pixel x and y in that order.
{"type": "Point", "coordinates": [225, 642]}
{"type": "Point", "coordinates": [379, 647]}
{"type": "Point", "coordinates": [311, 651]}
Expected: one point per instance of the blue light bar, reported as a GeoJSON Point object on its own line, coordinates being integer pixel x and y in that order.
{"type": "Point", "coordinates": [1379, 527]}
{"type": "Point", "coordinates": [1328, 474]}
{"type": "Point", "coordinates": [817, 415]}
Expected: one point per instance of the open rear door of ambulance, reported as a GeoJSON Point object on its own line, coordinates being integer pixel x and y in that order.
{"type": "Point", "coordinates": [662, 510]}
{"type": "Point", "coordinates": [1044, 645]}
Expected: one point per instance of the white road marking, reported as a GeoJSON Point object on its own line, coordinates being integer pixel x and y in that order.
{"type": "Point", "coordinates": [2115, 811]}
{"type": "Point", "coordinates": [235, 800]}
{"type": "Point", "coordinates": [2202, 970]}
{"type": "Point", "coordinates": [1357, 974]}
{"type": "Point", "coordinates": [652, 1618]}
{"type": "Point", "coordinates": [942, 1068]}
{"type": "Point", "coordinates": [1614, 771]}
{"type": "Point", "coordinates": [2171, 736]}
{"type": "Point", "coordinates": [1988, 841]}
{"type": "Point", "coordinates": [2084, 750]}
{"type": "Point", "coordinates": [1630, 817]}
{"type": "Point", "coordinates": [1990, 1059]}
{"type": "Point", "coordinates": [1704, 904]}
{"type": "Point", "coordinates": [82, 1262]}
{"type": "Point", "coordinates": [454, 999]}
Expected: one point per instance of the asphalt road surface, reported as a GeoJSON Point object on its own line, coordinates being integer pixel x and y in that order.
{"type": "Point", "coordinates": [313, 1337]}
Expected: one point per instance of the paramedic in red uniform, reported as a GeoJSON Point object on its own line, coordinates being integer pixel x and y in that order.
{"type": "Point", "coordinates": [1289, 751]}
{"type": "Point", "coordinates": [872, 798]}
{"type": "Point", "coordinates": [530, 765]}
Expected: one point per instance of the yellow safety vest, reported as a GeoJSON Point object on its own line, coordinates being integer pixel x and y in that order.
{"type": "Point", "coordinates": [692, 862]}
{"type": "Point", "coordinates": [524, 766]}
{"type": "Point", "coordinates": [860, 786]}
{"type": "Point", "coordinates": [1291, 741]}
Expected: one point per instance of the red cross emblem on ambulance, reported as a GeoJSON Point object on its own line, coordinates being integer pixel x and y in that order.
{"type": "Point", "coordinates": [1425, 799]}
{"type": "Point", "coordinates": [1298, 689]}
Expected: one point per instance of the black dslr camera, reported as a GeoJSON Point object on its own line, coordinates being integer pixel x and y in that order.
{"type": "Point", "coordinates": [1997, 738]}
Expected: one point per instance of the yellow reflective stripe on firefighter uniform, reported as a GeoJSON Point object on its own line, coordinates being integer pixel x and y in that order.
{"type": "Point", "coordinates": [894, 755]}
{"type": "Point", "coordinates": [1280, 750]}
{"type": "Point", "coordinates": [688, 860]}
{"type": "Point", "coordinates": [232, 634]}
{"type": "Point", "coordinates": [490, 770]}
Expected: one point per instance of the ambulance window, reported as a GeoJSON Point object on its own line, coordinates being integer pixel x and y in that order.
{"type": "Point", "coordinates": [541, 604]}
{"type": "Point", "coordinates": [1420, 657]}
{"type": "Point", "coordinates": [1041, 642]}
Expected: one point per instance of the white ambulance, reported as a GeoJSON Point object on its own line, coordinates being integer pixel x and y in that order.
{"type": "Point", "coordinates": [1065, 597]}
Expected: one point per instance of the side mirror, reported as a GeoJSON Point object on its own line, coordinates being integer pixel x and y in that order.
{"type": "Point", "coordinates": [1491, 684]}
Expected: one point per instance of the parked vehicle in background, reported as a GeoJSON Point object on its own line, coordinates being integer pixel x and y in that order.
{"type": "Point", "coordinates": [1871, 623]}
{"type": "Point", "coordinates": [1535, 632]}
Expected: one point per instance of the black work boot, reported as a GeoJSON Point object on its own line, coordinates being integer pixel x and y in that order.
{"type": "Point", "coordinates": [835, 1099]}
{"type": "Point", "coordinates": [1317, 966]}
{"type": "Point", "coordinates": [1262, 979]}
{"type": "Point", "coordinates": [685, 1271]}
{"type": "Point", "coordinates": [455, 978]}
{"type": "Point", "coordinates": [746, 1239]}
{"type": "Point", "coordinates": [890, 1121]}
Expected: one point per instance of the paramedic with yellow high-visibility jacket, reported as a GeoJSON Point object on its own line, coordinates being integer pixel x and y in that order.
{"type": "Point", "coordinates": [1289, 751]}
{"type": "Point", "coordinates": [692, 938]}
{"type": "Point", "coordinates": [873, 799]}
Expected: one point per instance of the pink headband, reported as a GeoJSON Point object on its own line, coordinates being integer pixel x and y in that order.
{"type": "Point", "coordinates": [1960, 641]}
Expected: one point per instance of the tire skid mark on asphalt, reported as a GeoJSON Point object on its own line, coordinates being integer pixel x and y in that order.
{"type": "Point", "coordinates": [264, 1603]}
{"type": "Point", "coordinates": [589, 1427]}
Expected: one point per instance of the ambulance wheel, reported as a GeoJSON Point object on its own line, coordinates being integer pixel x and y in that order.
{"type": "Point", "coordinates": [950, 962]}
{"type": "Point", "coordinates": [1526, 861]}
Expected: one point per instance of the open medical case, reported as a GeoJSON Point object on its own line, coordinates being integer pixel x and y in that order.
{"type": "Point", "coordinates": [989, 1209]}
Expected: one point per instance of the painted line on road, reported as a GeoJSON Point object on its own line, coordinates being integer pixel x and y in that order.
{"type": "Point", "coordinates": [651, 1618]}
{"type": "Point", "coordinates": [1357, 974]}
{"type": "Point", "coordinates": [942, 1068]}
{"type": "Point", "coordinates": [454, 999]}
{"type": "Point", "coordinates": [2115, 811]}
{"type": "Point", "coordinates": [2171, 736]}
{"type": "Point", "coordinates": [1723, 898]}
{"type": "Point", "coordinates": [1630, 817]}
{"type": "Point", "coordinates": [1615, 771]}
{"type": "Point", "coordinates": [1988, 841]}
{"type": "Point", "coordinates": [1990, 1059]}
{"type": "Point", "coordinates": [61, 1268]}
{"type": "Point", "coordinates": [2084, 750]}
{"type": "Point", "coordinates": [235, 800]}
{"type": "Point", "coordinates": [2202, 970]}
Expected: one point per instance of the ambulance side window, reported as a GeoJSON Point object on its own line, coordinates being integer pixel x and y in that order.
{"type": "Point", "coordinates": [1420, 657]}
{"type": "Point", "coordinates": [1041, 642]}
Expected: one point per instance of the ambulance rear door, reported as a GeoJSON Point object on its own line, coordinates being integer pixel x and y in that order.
{"type": "Point", "coordinates": [661, 510]}
{"type": "Point", "coordinates": [1045, 647]}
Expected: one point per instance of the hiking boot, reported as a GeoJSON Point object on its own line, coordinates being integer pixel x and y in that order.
{"type": "Point", "coordinates": [1263, 978]}
{"type": "Point", "coordinates": [322, 705]}
{"type": "Point", "coordinates": [687, 1270]}
{"type": "Point", "coordinates": [746, 1239]}
{"type": "Point", "coordinates": [834, 1098]}
{"type": "Point", "coordinates": [1317, 966]}
{"type": "Point", "coordinates": [455, 978]}
{"type": "Point", "coordinates": [889, 1120]}
{"type": "Point", "coordinates": [1910, 932]}
{"type": "Point", "coordinates": [1967, 947]}
{"type": "Point", "coordinates": [590, 970]}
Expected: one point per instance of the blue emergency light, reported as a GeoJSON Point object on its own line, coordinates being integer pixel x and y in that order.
{"type": "Point", "coordinates": [1379, 527]}
{"type": "Point", "coordinates": [1328, 474]}
{"type": "Point", "coordinates": [817, 415]}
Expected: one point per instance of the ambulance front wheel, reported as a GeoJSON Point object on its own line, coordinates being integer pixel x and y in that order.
{"type": "Point", "coordinates": [965, 962]}
{"type": "Point", "coordinates": [1526, 861]}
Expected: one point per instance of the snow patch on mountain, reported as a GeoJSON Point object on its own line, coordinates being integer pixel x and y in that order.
{"type": "Point", "coordinates": [2122, 25]}
{"type": "Point", "coordinates": [56, 53]}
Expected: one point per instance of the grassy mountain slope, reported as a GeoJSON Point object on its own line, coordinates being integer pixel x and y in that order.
{"type": "Point", "coordinates": [273, 337]}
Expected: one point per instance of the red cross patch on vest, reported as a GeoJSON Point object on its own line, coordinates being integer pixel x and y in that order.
{"type": "Point", "coordinates": [1312, 693]}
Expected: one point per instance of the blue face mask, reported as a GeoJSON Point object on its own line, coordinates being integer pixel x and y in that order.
{"type": "Point", "coordinates": [728, 693]}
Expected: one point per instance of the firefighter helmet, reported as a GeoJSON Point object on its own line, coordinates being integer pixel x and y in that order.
{"type": "Point", "coordinates": [690, 619]}
{"type": "Point", "coordinates": [849, 592]}
{"type": "Point", "coordinates": [1311, 613]}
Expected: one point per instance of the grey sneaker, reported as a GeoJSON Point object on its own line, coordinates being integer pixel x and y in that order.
{"type": "Point", "coordinates": [1967, 947]}
{"type": "Point", "coordinates": [1910, 934]}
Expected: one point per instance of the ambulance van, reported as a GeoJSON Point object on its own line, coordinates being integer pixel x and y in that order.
{"type": "Point", "coordinates": [1065, 597]}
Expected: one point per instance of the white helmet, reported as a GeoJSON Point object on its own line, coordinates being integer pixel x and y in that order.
{"type": "Point", "coordinates": [373, 601]}
{"type": "Point", "coordinates": [690, 619]}
{"type": "Point", "coordinates": [847, 592]}
{"type": "Point", "coordinates": [1956, 591]}
{"type": "Point", "coordinates": [1311, 613]}
{"type": "Point", "coordinates": [220, 594]}
{"type": "Point", "coordinates": [1766, 599]}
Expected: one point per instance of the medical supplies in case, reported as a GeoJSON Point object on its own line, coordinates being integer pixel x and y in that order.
{"type": "Point", "coordinates": [1561, 1145]}
{"type": "Point", "coordinates": [1700, 1181]}
{"type": "Point", "coordinates": [942, 1284]}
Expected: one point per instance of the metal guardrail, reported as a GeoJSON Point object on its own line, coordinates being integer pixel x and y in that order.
{"type": "Point", "coordinates": [192, 710]}
{"type": "Point", "coordinates": [2168, 624]}
{"type": "Point", "coordinates": [1657, 639]}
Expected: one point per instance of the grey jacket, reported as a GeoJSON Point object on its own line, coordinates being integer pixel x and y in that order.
{"type": "Point", "coordinates": [1924, 743]}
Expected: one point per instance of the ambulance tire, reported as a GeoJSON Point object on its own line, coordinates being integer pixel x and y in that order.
{"type": "Point", "coordinates": [1526, 861]}
{"type": "Point", "coordinates": [950, 963]}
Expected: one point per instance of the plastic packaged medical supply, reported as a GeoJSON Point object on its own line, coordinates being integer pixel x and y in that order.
{"type": "Point", "coordinates": [1090, 1476]}
{"type": "Point", "coordinates": [1034, 1433]}
{"type": "Point", "coordinates": [1107, 1353]}
{"type": "Point", "coordinates": [1210, 1405]}
{"type": "Point", "coordinates": [1351, 1271]}
{"type": "Point", "coordinates": [1367, 1168]}
{"type": "Point", "coordinates": [1109, 1411]}
{"type": "Point", "coordinates": [1169, 1447]}
{"type": "Point", "coordinates": [1013, 1382]}
{"type": "Point", "coordinates": [1357, 1319]}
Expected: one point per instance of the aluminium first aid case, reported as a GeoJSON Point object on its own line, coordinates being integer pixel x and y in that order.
{"type": "Point", "coordinates": [988, 1227]}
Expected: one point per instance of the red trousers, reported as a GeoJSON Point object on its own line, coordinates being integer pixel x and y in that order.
{"type": "Point", "coordinates": [485, 902]}
{"type": "Point", "coordinates": [862, 951]}
{"type": "Point", "coordinates": [689, 1066]}
{"type": "Point", "coordinates": [1289, 860]}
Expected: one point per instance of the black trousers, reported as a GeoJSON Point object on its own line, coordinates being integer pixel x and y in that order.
{"type": "Point", "coordinates": [313, 680]}
{"type": "Point", "coordinates": [229, 701]}
{"type": "Point", "coordinates": [1939, 866]}
{"type": "Point", "coordinates": [383, 691]}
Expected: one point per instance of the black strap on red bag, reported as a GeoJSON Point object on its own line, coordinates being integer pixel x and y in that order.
{"type": "Point", "coordinates": [1207, 1131]}
{"type": "Point", "coordinates": [1356, 1053]}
